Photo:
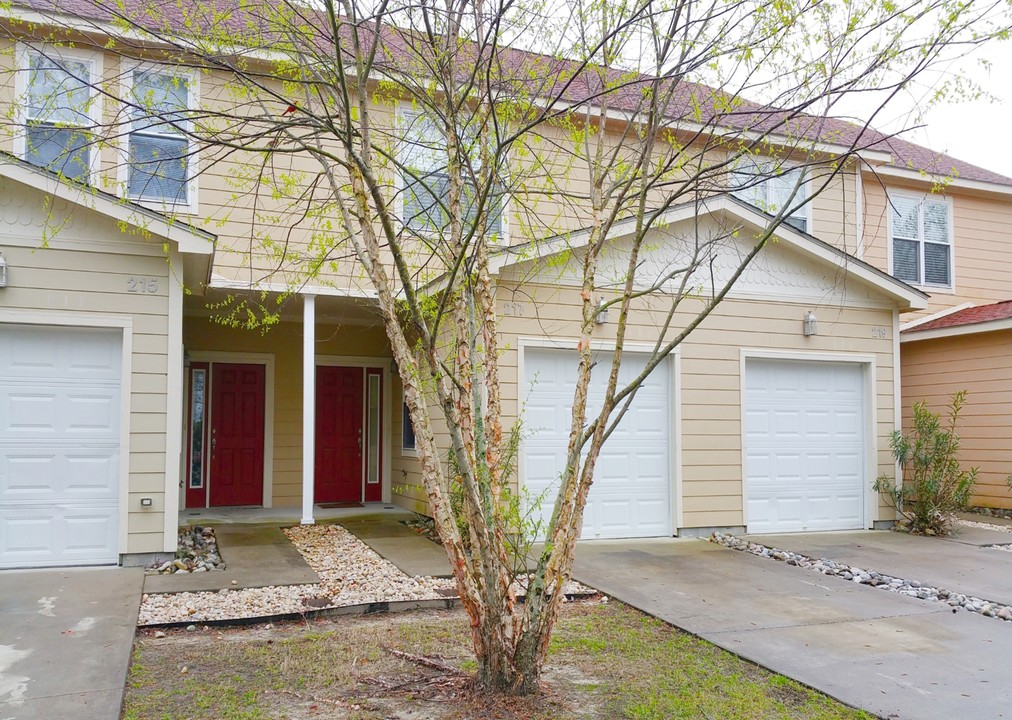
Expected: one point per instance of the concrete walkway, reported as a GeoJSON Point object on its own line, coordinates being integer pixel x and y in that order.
{"type": "Point", "coordinates": [386, 533]}
{"type": "Point", "coordinates": [892, 655]}
{"type": "Point", "coordinates": [65, 642]}
{"type": "Point", "coordinates": [255, 555]}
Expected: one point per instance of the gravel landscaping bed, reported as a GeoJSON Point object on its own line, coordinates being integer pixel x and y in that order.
{"type": "Point", "coordinates": [903, 586]}
{"type": "Point", "coordinates": [985, 526]}
{"type": "Point", "coordinates": [351, 573]}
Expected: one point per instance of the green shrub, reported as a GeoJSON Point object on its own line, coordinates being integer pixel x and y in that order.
{"type": "Point", "coordinates": [934, 484]}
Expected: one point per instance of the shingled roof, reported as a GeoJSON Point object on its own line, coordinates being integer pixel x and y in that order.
{"type": "Point", "coordinates": [969, 316]}
{"type": "Point", "coordinates": [690, 102]}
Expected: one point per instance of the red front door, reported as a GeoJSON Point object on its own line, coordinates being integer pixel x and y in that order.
{"type": "Point", "coordinates": [237, 434]}
{"type": "Point", "coordinates": [339, 434]}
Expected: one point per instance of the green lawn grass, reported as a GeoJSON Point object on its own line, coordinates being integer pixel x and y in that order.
{"type": "Point", "coordinates": [606, 661]}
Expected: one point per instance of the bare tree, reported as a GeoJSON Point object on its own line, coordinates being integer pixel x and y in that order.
{"type": "Point", "coordinates": [392, 141]}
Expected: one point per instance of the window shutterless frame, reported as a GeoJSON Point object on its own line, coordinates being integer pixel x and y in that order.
{"type": "Point", "coordinates": [152, 133]}
{"type": "Point", "coordinates": [751, 167]}
{"type": "Point", "coordinates": [898, 201]}
{"type": "Point", "coordinates": [72, 59]}
{"type": "Point", "coordinates": [405, 115]}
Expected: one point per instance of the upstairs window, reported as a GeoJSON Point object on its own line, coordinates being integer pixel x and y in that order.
{"type": "Point", "coordinates": [921, 240]}
{"type": "Point", "coordinates": [58, 114]}
{"type": "Point", "coordinates": [426, 187]}
{"type": "Point", "coordinates": [158, 150]}
{"type": "Point", "coordinates": [768, 185]}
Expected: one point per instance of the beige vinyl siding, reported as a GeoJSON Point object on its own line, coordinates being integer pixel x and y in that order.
{"type": "Point", "coordinates": [710, 389]}
{"type": "Point", "coordinates": [834, 209]}
{"type": "Point", "coordinates": [284, 343]}
{"type": "Point", "coordinates": [407, 489]}
{"type": "Point", "coordinates": [406, 477]}
{"type": "Point", "coordinates": [980, 238]}
{"type": "Point", "coordinates": [85, 268]}
{"type": "Point", "coordinates": [981, 364]}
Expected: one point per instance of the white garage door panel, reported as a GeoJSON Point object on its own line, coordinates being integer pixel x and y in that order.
{"type": "Point", "coordinates": [59, 353]}
{"type": "Point", "coordinates": [805, 454]}
{"type": "Point", "coordinates": [59, 445]}
{"type": "Point", "coordinates": [60, 410]}
{"type": "Point", "coordinates": [55, 536]}
{"type": "Point", "coordinates": [630, 495]}
{"type": "Point", "coordinates": [59, 474]}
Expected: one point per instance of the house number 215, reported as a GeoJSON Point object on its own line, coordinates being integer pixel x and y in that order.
{"type": "Point", "coordinates": [147, 285]}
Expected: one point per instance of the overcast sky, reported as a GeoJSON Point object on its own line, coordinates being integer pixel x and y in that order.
{"type": "Point", "coordinates": [977, 132]}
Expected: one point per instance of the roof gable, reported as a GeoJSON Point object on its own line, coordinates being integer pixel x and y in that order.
{"type": "Point", "coordinates": [189, 239]}
{"type": "Point", "coordinates": [793, 265]}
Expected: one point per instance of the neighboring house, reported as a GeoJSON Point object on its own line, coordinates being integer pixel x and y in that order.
{"type": "Point", "coordinates": [942, 225]}
{"type": "Point", "coordinates": [971, 350]}
{"type": "Point", "coordinates": [760, 421]}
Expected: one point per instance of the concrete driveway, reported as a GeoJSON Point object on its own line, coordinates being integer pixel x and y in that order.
{"type": "Point", "coordinates": [892, 655]}
{"type": "Point", "coordinates": [65, 641]}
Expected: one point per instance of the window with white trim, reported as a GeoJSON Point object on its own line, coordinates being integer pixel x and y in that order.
{"type": "Point", "coordinates": [58, 120]}
{"type": "Point", "coordinates": [425, 183]}
{"type": "Point", "coordinates": [921, 240]}
{"type": "Point", "coordinates": [158, 149]}
{"type": "Point", "coordinates": [768, 185]}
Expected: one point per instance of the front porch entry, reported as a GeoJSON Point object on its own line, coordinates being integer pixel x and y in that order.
{"type": "Point", "coordinates": [348, 458]}
{"type": "Point", "coordinates": [269, 423]}
{"type": "Point", "coordinates": [225, 448]}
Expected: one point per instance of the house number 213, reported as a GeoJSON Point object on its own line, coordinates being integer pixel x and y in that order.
{"type": "Point", "coordinates": [148, 285]}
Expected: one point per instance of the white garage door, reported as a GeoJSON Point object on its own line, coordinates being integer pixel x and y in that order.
{"type": "Point", "coordinates": [59, 445]}
{"type": "Point", "coordinates": [630, 495]}
{"type": "Point", "coordinates": [804, 445]}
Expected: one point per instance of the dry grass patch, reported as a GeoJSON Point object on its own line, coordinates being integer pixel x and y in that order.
{"type": "Point", "coordinates": [607, 661]}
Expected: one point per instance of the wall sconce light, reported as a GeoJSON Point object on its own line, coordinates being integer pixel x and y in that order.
{"type": "Point", "coordinates": [147, 502]}
{"type": "Point", "coordinates": [810, 325]}
{"type": "Point", "coordinates": [3, 271]}
{"type": "Point", "coordinates": [601, 314]}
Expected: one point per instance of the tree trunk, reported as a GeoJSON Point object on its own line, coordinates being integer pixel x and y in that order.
{"type": "Point", "coordinates": [504, 668]}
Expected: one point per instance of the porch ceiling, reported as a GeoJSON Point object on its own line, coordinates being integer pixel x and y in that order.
{"type": "Point", "coordinates": [330, 309]}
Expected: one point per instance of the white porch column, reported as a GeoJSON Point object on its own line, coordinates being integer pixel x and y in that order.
{"type": "Point", "coordinates": [308, 406]}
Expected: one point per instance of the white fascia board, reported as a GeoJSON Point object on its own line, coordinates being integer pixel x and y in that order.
{"type": "Point", "coordinates": [189, 240]}
{"type": "Point", "coordinates": [220, 283]}
{"type": "Point", "coordinates": [889, 171]}
{"type": "Point", "coordinates": [133, 34]}
{"type": "Point", "coordinates": [77, 23]}
{"type": "Point", "coordinates": [934, 316]}
{"type": "Point", "coordinates": [971, 329]}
